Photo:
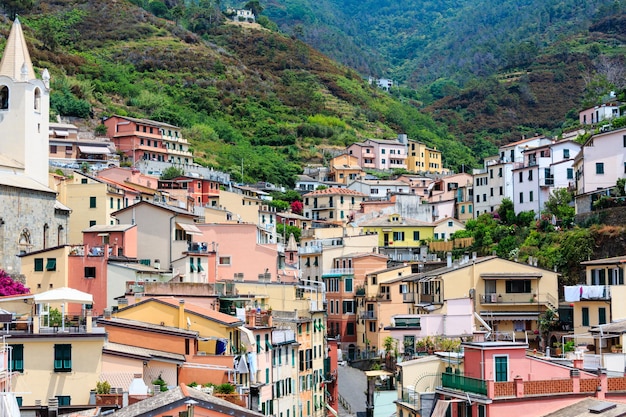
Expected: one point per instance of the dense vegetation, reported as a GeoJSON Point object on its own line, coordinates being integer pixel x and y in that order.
{"type": "Point", "coordinates": [242, 94]}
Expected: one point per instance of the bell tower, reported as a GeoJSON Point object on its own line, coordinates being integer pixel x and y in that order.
{"type": "Point", "coordinates": [24, 111]}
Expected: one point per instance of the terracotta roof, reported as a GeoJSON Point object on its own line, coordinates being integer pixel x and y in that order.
{"type": "Point", "coordinates": [335, 191]}
{"type": "Point", "coordinates": [604, 261]}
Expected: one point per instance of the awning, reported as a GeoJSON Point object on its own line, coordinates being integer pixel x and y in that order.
{"type": "Point", "coordinates": [510, 275]}
{"type": "Point", "coordinates": [94, 150]}
{"type": "Point", "coordinates": [440, 408]}
{"type": "Point", "coordinates": [190, 229]}
{"type": "Point", "coordinates": [500, 316]}
{"type": "Point", "coordinates": [61, 133]}
{"type": "Point", "coordinates": [247, 334]}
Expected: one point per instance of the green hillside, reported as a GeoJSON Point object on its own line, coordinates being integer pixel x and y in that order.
{"type": "Point", "coordinates": [241, 92]}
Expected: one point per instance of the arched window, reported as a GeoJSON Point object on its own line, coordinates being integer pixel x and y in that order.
{"type": "Point", "coordinates": [37, 104]}
{"type": "Point", "coordinates": [4, 97]}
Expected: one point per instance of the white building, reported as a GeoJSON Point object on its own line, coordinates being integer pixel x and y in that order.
{"type": "Point", "coordinates": [492, 184]}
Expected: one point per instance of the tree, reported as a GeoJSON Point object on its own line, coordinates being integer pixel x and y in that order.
{"type": "Point", "coordinates": [296, 207]}
{"type": "Point", "coordinates": [255, 6]}
{"type": "Point", "coordinates": [14, 7]}
{"type": "Point", "coordinates": [559, 206]}
{"type": "Point", "coordinates": [8, 286]}
{"type": "Point", "coordinates": [172, 172]}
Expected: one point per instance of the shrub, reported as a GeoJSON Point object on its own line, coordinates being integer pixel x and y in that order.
{"type": "Point", "coordinates": [103, 387]}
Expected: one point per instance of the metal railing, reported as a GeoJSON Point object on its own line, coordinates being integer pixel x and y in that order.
{"type": "Point", "coordinates": [464, 383]}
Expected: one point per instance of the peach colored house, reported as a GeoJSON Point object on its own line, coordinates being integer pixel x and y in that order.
{"type": "Point", "coordinates": [345, 169]}
{"type": "Point", "coordinates": [379, 154]}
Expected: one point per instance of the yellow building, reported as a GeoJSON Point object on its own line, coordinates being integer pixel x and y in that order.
{"type": "Point", "coordinates": [600, 300]}
{"type": "Point", "coordinates": [242, 206]}
{"type": "Point", "coordinates": [509, 296]}
{"type": "Point", "coordinates": [334, 205]}
{"type": "Point", "coordinates": [345, 169]}
{"type": "Point", "coordinates": [399, 234]}
{"type": "Point", "coordinates": [92, 201]}
{"type": "Point", "coordinates": [379, 300]}
{"type": "Point", "coordinates": [64, 366]}
{"type": "Point", "coordinates": [421, 158]}
{"type": "Point", "coordinates": [46, 269]}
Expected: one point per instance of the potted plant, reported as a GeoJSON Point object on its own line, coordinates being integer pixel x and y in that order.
{"type": "Point", "coordinates": [558, 348]}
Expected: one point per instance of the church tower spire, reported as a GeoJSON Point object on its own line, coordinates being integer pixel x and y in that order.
{"type": "Point", "coordinates": [24, 110]}
{"type": "Point", "coordinates": [16, 63]}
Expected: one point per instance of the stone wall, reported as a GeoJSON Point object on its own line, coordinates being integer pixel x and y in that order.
{"type": "Point", "coordinates": [23, 214]}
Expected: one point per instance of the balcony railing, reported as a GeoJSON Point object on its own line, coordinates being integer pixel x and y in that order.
{"type": "Point", "coordinates": [309, 249]}
{"type": "Point", "coordinates": [368, 315]}
{"type": "Point", "coordinates": [507, 298]}
{"type": "Point", "coordinates": [339, 271]}
{"type": "Point", "coordinates": [408, 297]}
{"type": "Point", "coordinates": [464, 383]}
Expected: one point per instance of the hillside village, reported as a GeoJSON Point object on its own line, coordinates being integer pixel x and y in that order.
{"type": "Point", "coordinates": [154, 296]}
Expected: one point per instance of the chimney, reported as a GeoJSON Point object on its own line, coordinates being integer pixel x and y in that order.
{"type": "Point", "coordinates": [181, 314]}
{"type": "Point", "coordinates": [53, 407]}
{"type": "Point", "coordinates": [449, 259]}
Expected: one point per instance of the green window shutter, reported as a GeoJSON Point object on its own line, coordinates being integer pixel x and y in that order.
{"type": "Point", "coordinates": [51, 264]}
{"type": "Point", "coordinates": [585, 311]}
{"type": "Point", "coordinates": [602, 315]}
{"type": "Point", "coordinates": [17, 364]}
{"type": "Point", "coordinates": [502, 371]}
{"type": "Point", "coordinates": [38, 264]}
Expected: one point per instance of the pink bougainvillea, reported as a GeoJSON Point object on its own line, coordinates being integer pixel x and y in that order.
{"type": "Point", "coordinates": [296, 207]}
{"type": "Point", "coordinates": [8, 286]}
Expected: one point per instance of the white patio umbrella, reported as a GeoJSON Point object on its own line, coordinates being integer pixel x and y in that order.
{"type": "Point", "coordinates": [63, 295]}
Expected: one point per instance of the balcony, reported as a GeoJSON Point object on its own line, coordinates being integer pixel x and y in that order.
{"type": "Point", "coordinates": [368, 315]}
{"type": "Point", "coordinates": [546, 182]}
{"type": "Point", "coordinates": [408, 297]}
{"type": "Point", "coordinates": [338, 272]}
{"type": "Point", "coordinates": [308, 250]}
{"type": "Point", "coordinates": [506, 298]}
{"type": "Point", "coordinates": [463, 383]}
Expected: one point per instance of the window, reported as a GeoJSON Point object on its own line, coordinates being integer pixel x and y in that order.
{"type": "Point", "coordinates": [565, 153]}
{"type": "Point", "coordinates": [602, 315]}
{"type": "Point", "coordinates": [83, 181]}
{"type": "Point", "coordinates": [501, 190]}
{"type": "Point", "coordinates": [585, 311]}
{"type": "Point", "coordinates": [348, 307]}
{"type": "Point", "coordinates": [64, 400]}
{"type": "Point", "coordinates": [350, 329]}
{"type": "Point", "coordinates": [462, 211]}
{"type": "Point", "coordinates": [224, 260]}
{"type": "Point", "coordinates": [398, 236]}
{"type": "Point", "coordinates": [500, 172]}
{"type": "Point", "coordinates": [530, 175]}
{"type": "Point", "coordinates": [624, 140]}
{"type": "Point", "coordinates": [92, 223]}
{"type": "Point", "coordinates": [92, 202]}
{"type": "Point", "coordinates": [530, 196]}
{"type": "Point", "coordinates": [502, 368]}
{"type": "Point", "coordinates": [518, 286]}
{"type": "Point", "coordinates": [491, 192]}
{"type": "Point", "coordinates": [521, 197]}
{"type": "Point", "coordinates": [570, 173]}
{"type": "Point", "coordinates": [51, 264]}
{"type": "Point", "coordinates": [17, 359]}
{"type": "Point", "coordinates": [38, 264]}
{"type": "Point", "coordinates": [347, 285]}
{"type": "Point", "coordinates": [4, 98]}
{"type": "Point", "coordinates": [90, 272]}
{"type": "Point", "coordinates": [62, 358]}
{"type": "Point", "coordinates": [599, 167]}
{"type": "Point", "coordinates": [521, 177]}
{"type": "Point", "coordinates": [192, 266]}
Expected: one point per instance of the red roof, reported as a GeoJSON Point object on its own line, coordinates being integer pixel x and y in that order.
{"type": "Point", "coordinates": [335, 191]}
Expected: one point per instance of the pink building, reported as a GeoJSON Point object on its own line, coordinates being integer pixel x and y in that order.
{"type": "Point", "coordinates": [379, 154]}
{"type": "Point", "coordinates": [500, 379]}
{"type": "Point", "coordinates": [87, 266]}
{"type": "Point", "coordinates": [236, 252]}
